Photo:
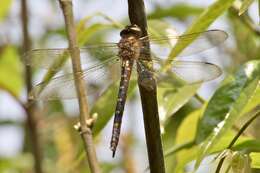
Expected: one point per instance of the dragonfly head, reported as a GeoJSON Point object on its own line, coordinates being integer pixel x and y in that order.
{"type": "Point", "coordinates": [131, 30]}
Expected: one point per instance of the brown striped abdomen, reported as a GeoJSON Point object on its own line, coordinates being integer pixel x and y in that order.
{"type": "Point", "coordinates": [126, 69]}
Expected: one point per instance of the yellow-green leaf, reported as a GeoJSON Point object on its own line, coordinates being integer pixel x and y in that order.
{"type": "Point", "coordinates": [240, 162]}
{"type": "Point", "coordinates": [180, 11]}
{"type": "Point", "coordinates": [245, 5]}
{"type": "Point", "coordinates": [5, 5]}
{"type": "Point", "coordinates": [11, 71]}
{"type": "Point", "coordinates": [226, 106]}
{"type": "Point", "coordinates": [255, 160]}
{"type": "Point", "coordinates": [172, 99]}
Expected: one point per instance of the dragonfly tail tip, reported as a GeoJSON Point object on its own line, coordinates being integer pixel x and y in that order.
{"type": "Point", "coordinates": [113, 154]}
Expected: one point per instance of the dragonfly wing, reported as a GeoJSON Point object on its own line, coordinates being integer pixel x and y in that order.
{"type": "Point", "coordinates": [56, 59]}
{"type": "Point", "coordinates": [62, 87]}
{"type": "Point", "coordinates": [188, 71]}
{"type": "Point", "coordinates": [199, 42]}
{"type": "Point", "coordinates": [194, 72]}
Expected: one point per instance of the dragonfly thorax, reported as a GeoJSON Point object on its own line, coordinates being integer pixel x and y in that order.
{"type": "Point", "coordinates": [129, 47]}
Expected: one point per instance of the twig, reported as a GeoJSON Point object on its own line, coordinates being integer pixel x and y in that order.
{"type": "Point", "coordinates": [31, 119]}
{"type": "Point", "coordinates": [86, 133]}
{"type": "Point", "coordinates": [136, 11]}
{"type": "Point", "coordinates": [199, 98]}
{"type": "Point", "coordinates": [256, 112]}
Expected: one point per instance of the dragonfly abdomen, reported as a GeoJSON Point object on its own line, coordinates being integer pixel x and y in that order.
{"type": "Point", "coordinates": [126, 69]}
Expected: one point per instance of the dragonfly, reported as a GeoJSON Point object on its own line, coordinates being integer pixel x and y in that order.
{"type": "Point", "coordinates": [131, 52]}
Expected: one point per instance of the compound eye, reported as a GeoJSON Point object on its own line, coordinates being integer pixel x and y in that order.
{"type": "Point", "coordinates": [132, 29]}
{"type": "Point", "coordinates": [136, 30]}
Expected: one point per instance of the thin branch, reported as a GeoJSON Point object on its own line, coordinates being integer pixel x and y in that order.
{"type": "Point", "coordinates": [86, 133]}
{"type": "Point", "coordinates": [31, 119]}
{"type": "Point", "coordinates": [136, 11]}
{"type": "Point", "coordinates": [200, 99]}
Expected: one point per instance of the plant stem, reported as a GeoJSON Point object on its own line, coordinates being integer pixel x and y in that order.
{"type": "Point", "coordinates": [136, 11]}
{"type": "Point", "coordinates": [199, 98]}
{"type": "Point", "coordinates": [31, 119]}
{"type": "Point", "coordinates": [86, 133]}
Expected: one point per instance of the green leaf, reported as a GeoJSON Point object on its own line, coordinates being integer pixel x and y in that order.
{"type": "Point", "coordinates": [248, 146]}
{"type": "Point", "coordinates": [243, 34]}
{"type": "Point", "coordinates": [85, 34]}
{"type": "Point", "coordinates": [105, 106]}
{"type": "Point", "coordinates": [158, 28]}
{"type": "Point", "coordinates": [207, 17]}
{"type": "Point", "coordinates": [178, 137]}
{"type": "Point", "coordinates": [172, 99]}
{"type": "Point", "coordinates": [5, 5]}
{"type": "Point", "coordinates": [188, 154]}
{"type": "Point", "coordinates": [226, 106]}
{"type": "Point", "coordinates": [180, 11]}
{"type": "Point", "coordinates": [187, 130]}
{"type": "Point", "coordinates": [11, 71]}
{"type": "Point", "coordinates": [86, 31]}
{"type": "Point", "coordinates": [187, 133]}
{"type": "Point", "coordinates": [245, 5]}
{"type": "Point", "coordinates": [108, 166]}
{"type": "Point", "coordinates": [20, 163]}
{"type": "Point", "coordinates": [240, 162]}
{"type": "Point", "coordinates": [255, 160]}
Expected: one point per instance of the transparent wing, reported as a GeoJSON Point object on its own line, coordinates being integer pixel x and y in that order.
{"type": "Point", "coordinates": [162, 46]}
{"type": "Point", "coordinates": [189, 71]}
{"type": "Point", "coordinates": [194, 72]}
{"type": "Point", "coordinates": [56, 59]}
{"type": "Point", "coordinates": [96, 78]}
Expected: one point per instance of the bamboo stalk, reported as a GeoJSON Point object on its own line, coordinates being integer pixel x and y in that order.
{"type": "Point", "coordinates": [86, 133]}
{"type": "Point", "coordinates": [137, 16]}
{"type": "Point", "coordinates": [31, 118]}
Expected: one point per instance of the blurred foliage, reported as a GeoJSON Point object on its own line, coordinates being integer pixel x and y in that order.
{"type": "Point", "coordinates": [11, 78]}
{"type": "Point", "coordinates": [180, 11]}
{"type": "Point", "coordinates": [226, 105]}
{"type": "Point", "coordinates": [5, 5]}
{"type": "Point", "coordinates": [243, 34]}
{"type": "Point", "coordinates": [194, 130]}
{"type": "Point", "coordinates": [245, 5]}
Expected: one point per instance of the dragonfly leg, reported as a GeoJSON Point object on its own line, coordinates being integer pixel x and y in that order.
{"type": "Point", "coordinates": [145, 77]}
